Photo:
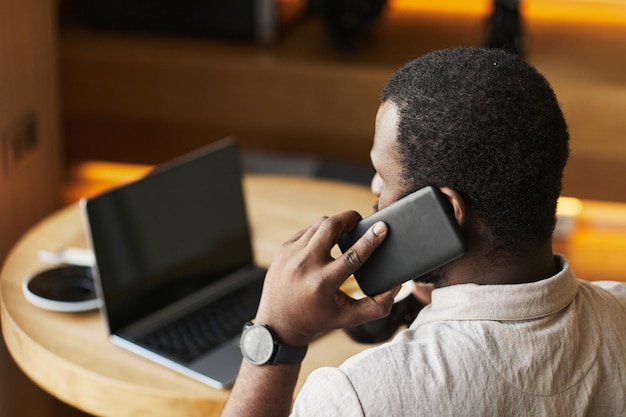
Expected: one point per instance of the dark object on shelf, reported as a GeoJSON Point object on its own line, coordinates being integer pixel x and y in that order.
{"type": "Point", "coordinates": [505, 28]}
{"type": "Point", "coordinates": [347, 22]}
{"type": "Point", "coordinates": [241, 19]}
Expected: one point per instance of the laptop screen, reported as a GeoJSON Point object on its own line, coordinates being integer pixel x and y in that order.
{"type": "Point", "coordinates": [170, 233]}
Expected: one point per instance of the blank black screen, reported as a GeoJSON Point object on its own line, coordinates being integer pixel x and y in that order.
{"type": "Point", "coordinates": [161, 238]}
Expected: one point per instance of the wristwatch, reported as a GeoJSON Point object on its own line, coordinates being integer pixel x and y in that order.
{"type": "Point", "coordinates": [260, 347]}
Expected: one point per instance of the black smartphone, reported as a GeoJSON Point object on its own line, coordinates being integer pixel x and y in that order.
{"type": "Point", "coordinates": [423, 235]}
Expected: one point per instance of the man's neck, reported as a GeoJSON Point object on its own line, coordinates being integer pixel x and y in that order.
{"type": "Point", "coordinates": [531, 265]}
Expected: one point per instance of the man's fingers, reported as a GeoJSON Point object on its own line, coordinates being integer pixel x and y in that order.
{"type": "Point", "coordinates": [369, 308]}
{"type": "Point", "coordinates": [357, 254]}
{"type": "Point", "coordinates": [328, 231]}
{"type": "Point", "coordinates": [309, 231]}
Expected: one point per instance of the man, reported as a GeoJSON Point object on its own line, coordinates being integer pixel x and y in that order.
{"type": "Point", "coordinates": [510, 330]}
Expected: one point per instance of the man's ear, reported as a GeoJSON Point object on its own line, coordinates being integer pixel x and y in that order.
{"type": "Point", "coordinates": [459, 206]}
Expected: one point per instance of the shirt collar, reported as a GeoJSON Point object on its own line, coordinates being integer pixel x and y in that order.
{"type": "Point", "coordinates": [502, 302]}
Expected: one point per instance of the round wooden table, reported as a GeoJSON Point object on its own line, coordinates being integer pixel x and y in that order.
{"type": "Point", "coordinates": [69, 354]}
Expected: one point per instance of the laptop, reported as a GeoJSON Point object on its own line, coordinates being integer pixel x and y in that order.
{"type": "Point", "coordinates": [174, 263]}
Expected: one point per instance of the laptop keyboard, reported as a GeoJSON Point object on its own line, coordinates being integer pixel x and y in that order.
{"type": "Point", "coordinates": [198, 332]}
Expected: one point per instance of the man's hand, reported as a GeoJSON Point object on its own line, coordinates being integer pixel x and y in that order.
{"type": "Point", "coordinates": [301, 296]}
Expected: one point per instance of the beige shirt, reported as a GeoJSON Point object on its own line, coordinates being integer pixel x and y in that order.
{"type": "Point", "coordinates": [553, 348]}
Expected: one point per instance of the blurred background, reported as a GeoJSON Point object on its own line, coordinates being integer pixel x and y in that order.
{"type": "Point", "coordinates": [94, 92]}
{"type": "Point", "coordinates": [146, 82]}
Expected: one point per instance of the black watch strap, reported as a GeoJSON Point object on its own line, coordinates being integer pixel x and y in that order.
{"type": "Point", "coordinates": [288, 354]}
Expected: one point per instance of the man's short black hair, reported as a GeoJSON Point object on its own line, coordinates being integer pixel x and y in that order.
{"type": "Point", "coordinates": [487, 124]}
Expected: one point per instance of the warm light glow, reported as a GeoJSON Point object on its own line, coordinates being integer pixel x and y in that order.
{"type": "Point", "coordinates": [597, 11]}
{"type": "Point", "coordinates": [109, 171]}
{"type": "Point", "coordinates": [604, 214]}
{"type": "Point", "coordinates": [591, 213]}
{"type": "Point", "coordinates": [476, 7]}
{"type": "Point", "coordinates": [569, 207]}
{"type": "Point", "coordinates": [92, 177]}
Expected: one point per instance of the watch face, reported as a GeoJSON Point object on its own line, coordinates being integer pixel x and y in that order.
{"type": "Point", "coordinates": [257, 344]}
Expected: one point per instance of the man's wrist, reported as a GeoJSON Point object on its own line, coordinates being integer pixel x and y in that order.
{"type": "Point", "coordinates": [285, 334]}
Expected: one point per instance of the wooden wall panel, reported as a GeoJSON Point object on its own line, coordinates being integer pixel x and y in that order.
{"type": "Point", "coordinates": [30, 162]}
{"type": "Point", "coordinates": [30, 154]}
